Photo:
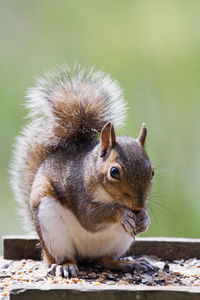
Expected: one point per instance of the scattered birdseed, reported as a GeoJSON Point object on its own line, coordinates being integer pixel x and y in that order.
{"type": "Point", "coordinates": [29, 272]}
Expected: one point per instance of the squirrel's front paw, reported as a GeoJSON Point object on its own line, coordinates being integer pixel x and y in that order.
{"type": "Point", "coordinates": [64, 270]}
{"type": "Point", "coordinates": [142, 220]}
{"type": "Point", "coordinates": [128, 222]}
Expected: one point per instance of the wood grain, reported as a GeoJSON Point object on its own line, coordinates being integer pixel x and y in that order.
{"type": "Point", "coordinates": [19, 247]}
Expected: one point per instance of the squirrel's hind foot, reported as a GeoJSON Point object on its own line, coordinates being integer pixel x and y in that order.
{"type": "Point", "coordinates": [138, 264]}
{"type": "Point", "coordinates": [141, 265]}
{"type": "Point", "coordinates": [67, 270]}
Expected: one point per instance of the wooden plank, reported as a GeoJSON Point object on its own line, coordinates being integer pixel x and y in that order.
{"type": "Point", "coordinates": [167, 248]}
{"type": "Point", "coordinates": [19, 247]}
{"type": "Point", "coordinates": [130, 292]}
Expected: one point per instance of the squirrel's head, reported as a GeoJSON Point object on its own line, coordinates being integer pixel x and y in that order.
{"type": "Point", "coordinates": [124, 171]}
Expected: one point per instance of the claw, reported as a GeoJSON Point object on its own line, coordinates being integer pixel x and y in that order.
{"type": "Point", "coordinates": [143, 265]}
{"type": "Point", "coordinates": [128, 222]}
{"type": "Point", "coordinates": [73, 271]}
{"type": "Point", "coordinates": [52, 269]}
{"type": "Point", "coordinates": [66, 270]}
{"type": "Point", "coordinates": [59, 271]}
{"type": "Point", "coordinates": [142, 221]}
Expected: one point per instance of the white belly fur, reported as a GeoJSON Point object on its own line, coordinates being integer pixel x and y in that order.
{"type": "Point", "coordinates": [64, 237]}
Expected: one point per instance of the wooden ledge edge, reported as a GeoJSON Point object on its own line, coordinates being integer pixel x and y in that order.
{"type": "Point", "coordinates": [27, 247]}
{"type": "Point", "coordinates": [55, 291]}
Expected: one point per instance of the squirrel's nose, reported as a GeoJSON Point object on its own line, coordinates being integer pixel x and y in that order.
{"type": "Point", "coordinates": [140, 201]}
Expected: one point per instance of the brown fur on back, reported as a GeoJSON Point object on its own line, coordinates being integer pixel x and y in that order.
{"type": "Point", "coordinates": [66, 106]}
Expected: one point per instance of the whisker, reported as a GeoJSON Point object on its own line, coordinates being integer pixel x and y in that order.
{"type": "Point", "coordinates": [161, 205]}
{"type": "Point", "coordinates": [155, 217]}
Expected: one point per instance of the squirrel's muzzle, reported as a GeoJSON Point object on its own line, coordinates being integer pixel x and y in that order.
{"type": "Point", "coordinates": [139, 202]}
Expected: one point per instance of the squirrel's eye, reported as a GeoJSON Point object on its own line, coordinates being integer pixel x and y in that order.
{"type": "Point", "coordinates": [114, 173]}
{"type": "Point", "coordinates": [152, 173]}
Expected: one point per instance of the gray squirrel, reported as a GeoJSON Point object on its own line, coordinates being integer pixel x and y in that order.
{"type": "Point", "coordinates": [86, 197]}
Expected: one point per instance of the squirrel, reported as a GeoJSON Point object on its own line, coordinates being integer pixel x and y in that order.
{"type": "Point", "coordinates": [86, 196]}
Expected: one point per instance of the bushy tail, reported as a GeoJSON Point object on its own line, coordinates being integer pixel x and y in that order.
{"type": "Point", "coordinates": [66, 105]}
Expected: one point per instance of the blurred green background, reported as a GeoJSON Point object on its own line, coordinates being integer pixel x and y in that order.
{"type": "Point", "coordinates": [153, 49]}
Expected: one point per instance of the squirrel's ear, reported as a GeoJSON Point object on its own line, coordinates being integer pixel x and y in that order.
{"type": "Point", "coordinates": [142, 135]}
{"type": "Point", "coordinates": [108, 138]}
